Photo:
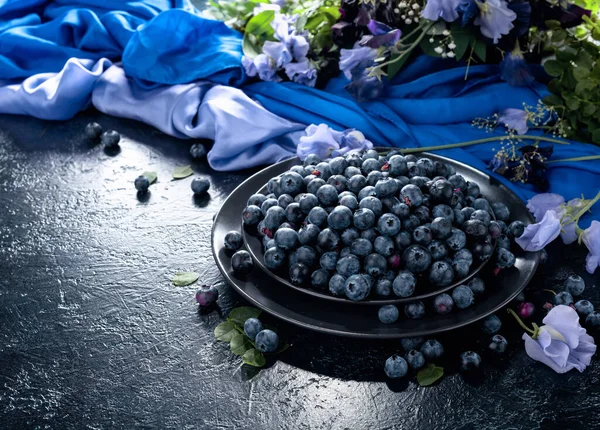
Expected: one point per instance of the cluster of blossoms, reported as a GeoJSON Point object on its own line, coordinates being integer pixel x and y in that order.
{"type": "Point", "coordinates": [326, 142]}
{"type": "Point", "coordinates": [556, 217]}
{"type": "Point", "coordinates": [288, 54]}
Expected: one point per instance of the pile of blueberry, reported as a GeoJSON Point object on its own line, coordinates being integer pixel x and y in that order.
{"type": "Point", "coordinates": [369, 225]}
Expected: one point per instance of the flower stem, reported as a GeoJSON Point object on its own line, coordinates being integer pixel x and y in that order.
{"type": "Point", "coordinates": [520, 321]}
{"type": "Point", "coordinates": [410, 48]}
{"type": "Point", "coordinates": [586, 158]}
{"type": "Point", "coordinates": [586, 207]}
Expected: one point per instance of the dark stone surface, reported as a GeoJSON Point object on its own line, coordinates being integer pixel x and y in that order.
{"type": "Point", "coordinates": [93, 335]}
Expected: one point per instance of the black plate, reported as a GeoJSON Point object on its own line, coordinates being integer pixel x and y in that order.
{"type": "Point", "coordinates": [254, 243]}
{"type": "Point", "coordinates": [347, 319]}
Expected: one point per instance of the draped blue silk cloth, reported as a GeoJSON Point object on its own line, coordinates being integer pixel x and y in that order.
{"type": "Point", "coordinates": [174, 61]}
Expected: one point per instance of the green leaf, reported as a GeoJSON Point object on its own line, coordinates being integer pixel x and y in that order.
{"type": "Point", "coordinates": [553, 24]}
{"type": "Point", "coordinates": [558, 36]}
{"type": "Point", "coordinates": [181, 279]}
{"type": "Point", "coordinates": [152, 176]}
{"type": "Point", "coordinates": [553, 67]}
{"type": "Point", "coordinates": [249, 47]}
{"type": "Point", "coordinates": [553, 100]}
{"type": "Point", "coordinates": [480, 49]}
{"type": "Point", "coordinates": [462, 39]}
{"type": "Point", "coordinates": [572, 102]}
{"type": "Point", "coordinates": [437, 28]}
{"type": "Point", "coordinates": [581, 73]}
{"type": "Point", "coordinates": [254, 358]}
{"type": "Point", "coordinates": [588, 109]}
{"type": "Point", "coordinates": [241, 314]}
{"type": "Point", "coordinates": [181, 172]}
{"type": "Point", "coordinates": [584, 60]}
{"type": "Point", "coordinates": [583, 87]}
{"type": "Point", "coordinates": [300, 23]}
{"type": "Point", "coordinates": [225, 331]}
{"type": "Point", "coordinates": [261, 24]}
{"type": "Point", "coordinates": [429, 374]}
{"type": "Point", "coordinates": [566, 53]}
{"type": "Point", "coordinates": [239, 344]}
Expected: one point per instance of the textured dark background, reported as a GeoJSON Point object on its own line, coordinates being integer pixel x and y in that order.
{"type": "Point", "coordinates": [93, 335]}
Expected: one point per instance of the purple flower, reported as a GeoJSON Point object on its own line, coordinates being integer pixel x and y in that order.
{"type": "Point", "coordinates": [278, 51]}
{"type": "Point", "coordinates": [468, 10]}
{"type": "Point", "coordinates": [355, 61]}
{"type": "Point", "coordinates": [495, 18]}
{"type": "Point", "coordinates": [568, 233]}
{"type": "Point", "coordinates": [514, 70]}
{"type": "Point", "coordinates": [523, 21]}
{"type": "Point", "coordinates": [591, 239]}
{"type": "Point", "coordinates": [539, 204]}
{"type": "Point", "coordinates": [249, 66]}
{"type": "Point", "coordinates": [281, 25]}
{"type": "Point", "coordinates": [515, 119]}
{"type": "Point", "coordinates": [303, 73]}
{"type": "Point", "coordinates": [353, 140]}
{"type": "Point", "coordinates": [382, 35]}
{"type": "Point", "coordinates": [365, 88]}
{"type": "Point", "coordinates": [561, 343]}
{"type": "Point", "coordinates": [267, 71]}
{"type": "Point", "coordinates": [445, 9]}
{"type": "Point", "coordinates": [537, 236]}
{"type": "Point", "coordinates": [320, 139]}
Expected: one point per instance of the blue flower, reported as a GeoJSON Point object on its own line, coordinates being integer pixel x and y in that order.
{"type": "Point", "coordinates": [495, 18]}
{"type": "Point", "coordinates": [445, 9]}
{"type": "Point", "coordinates": [515, 119]}
{"type": "Point", "coordinates": [320, 140]}
{"type": "Point", "coordinates": [249, 66]}
{"type": "Point", "coordinates": [382, 35]}
{"type": "Point", "coordinates": [297, 45]}
{"type": "Point", "coordinates": [303, 73]}
{"type": "Point", "coordinates": [355, 61]}
{"type": "Point", "coordinates": [353, 140]}
{"type": "Point", "coordinates": [266, 68]}
{"type": "Point", "coordinates": [365, 88]}
{"type": "Point", "coordinates": [282, 25]}
{"type": "Point", "coordinates": [468, 10]}
{"type": "Point", "coordinates": [523, 21]}
{"type": "Point", "coordinates": [537, 236]}
{"type": "Point", "coordinates": [514, 69]}
{"type": "Point", "coordinates": [278, 51]}
{"type": "Point", "coordinates": [591, 239]}
{"type": "Point", "coordinates": [539, 204]}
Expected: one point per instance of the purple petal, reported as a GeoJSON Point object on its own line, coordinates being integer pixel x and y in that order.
{"type": "Point", "coordinates": [515, 119]}
{"type": "Point", "coordinates": [537, 236]}
{"type": "Point", "coordinates": [568, 232]}
{"type": "Point", "coordinates": [357, 58]}
{"type": "Point", "coordinates": [319, 140]}
{"type": "Point", "coordinates": [591, 239]}
{"type": "Point", "coordinates": [495, 19]}
{"type": "Point", "coordinates": [535, 351]}
{"type": "Point", "coordinates": [387, 39]}
{"type": "Point", "coordinates": [445, 9]}
{"type": "Point", "coordinates": [539, 204]}
{"type": "Point", "coordinates": [378, 28]}
{"type": "Point", "coordinates": [565, 320]}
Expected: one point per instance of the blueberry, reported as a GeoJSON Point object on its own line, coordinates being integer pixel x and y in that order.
{"type": "Point", "coordinates": [350, 202]}
{"type": "Point", "coordinates": [354, 159]}
{"type": "Point", "coordinates": [458, 181]}
{"type": "Point", "coordinates": [141, 183]}
{"type": "Point", "coordinates": [415, 359]}
{"type": "Point", "coordinates": [93, 131]}
{"type": "Point", "coordinates": [397, 165]}
{"type": "Point", "coordinates": [498, 344]}
{"type": "Point", "coordinates": [328, 240]}
{"type": "Point", "coordinates": [372, 203]}
{"type": "Point", "coordinates": [503, 242]}
{"type": "Point", "coordinates": [473, 190]}
{"type": "Point", "coordinates": [375, 264]}
{"type": "Point", "coordinates": [411, 195]}
{"type": "Point", "coordinates": [256, 199]}
{"type": "Point", "coordinates": [274, 217]}
{"type": "Point", "coordinates": [475, 228]}
{"type": "Point", "coordinates": [464, 254]}
{"type": "Point", "coordinates": [273, 186]}
{"type": "Point", "coordinates": [344, 252]}
{"type": "Point", "coordinates": [322, 171]}
{"type": "Point", "coordinates": [483, 250]}
{"type": "Point", "coordinates": [299, 274]}
{"type": "Point", "coordinates": [409, 343]}
{"type": "Point", "coordinates": [291, 183]}
{"type": "Point", "coordinates": [340, 218]}
{"type": "Point", "coordinates": [395, 367]}
{"type": "Point", "coordinates": [477, 286]}
{"type": "Point", "coordinates": [349, 235]}
{"type": "Point", "coordinates": [336, 285]}
{"type": "Point", "coordinates": [422, 235]}
{"type": "Point", "coordinates": [307, 202]}
{"type": "Point", "coordinates": [414, 169]}
{"type": "Point", "coordinates": [443, 211]}
{"type": "Point", "coordinates": [327, 195]}
{"type": "Point", "coordinates": [494, 229]}
{"type": "Point", "coordinates": [200, 186]}
{"type": "Point", "coordinates": [593, 320]}
{"type": "Point", "coordinates": [469, 361]}
{"type": "Point", "coordinates": [312, 159]}
{"type": "Point", "coordinates": [300, 170]}
{"type": "Point", "coordinates": [438, 250]}
{"type": "Point", "coordinates": [339, 182]}
{"type": "Point", "coordinates": [410, 223]}
{"type": "Point", "coordinates": [432, 350]}
{"type": "Point", "coordinates": [367, 191]}
{"type": "Point", "coordinates": [461, 268]}
{"type": "Point", "coordinates": [416, 258]}
{"type": "Point", "coordinates": [198, 151]}
{"type": "Point", "coordinates": [403, 240]}
{"type": "Point", "coordinates": [463, 297]}
{"type": "Point", "coordinates": [443, 303]}
{"type": "Point", "coordinates": [584, 308]}
{"type": "Point", "coordinates": [286, 239]}
{"type": "Point", "coordinates": [356, 183]}
{"type": "Point", "coordinates": [317, 216]}
{"type": "Point", "coordinates": [348, 266]}
{"type": "Point", "coordinates": [404, 284]}
{"type": "Point", "coordinates": [294, 214]}
{"type": "Point", "coordinates": [390, 275]}
{"type": "Point", "coordinates": [274, 258]}
{"type": "Point", "coordinates": [267, 341]}
{"type": "Point", "coordinates": [364, 218]}
{"type": "Point", "coordinates": [233, 241]}
{"type": "Point", "coordinates": [563, 298]}
{"type": "Point", "coordinates": [241, 263]}
{"type": "Point", "coordinates": [383, 287]}
{"type": "Point", "coordinates": [306, 255]}
{"type": "Point", "coordinates": [394, 261]}
{"type": "Point", "coordinates": [401, 210]}
{"type": "Point", "coordinates": [388, 314]}
{"type": "Point", "coordinates": [386, 187]}
{"type": "Point", "coordinates": [252, 327]}
{"type": "Point", "coordinates": [357, 287]}
{"type": "Point", "coordinates": [441, 191]}
{"type": "Point", "coordinates": [307, 235]}
{"type": "Point", "coordinates": [414, 310]}
{"type": "Point", "coordinates": [320, 278]}
{"type": "Point", "coordinates": [516, 229]}
{"type": "Point", "coordinates": [383, 245]}
{"type": "Point", "coordinates": [501, 211]}
{"type": "Point", "coordinates": [352, 171]}
{"type": "Point", "coordinates": [441, 274]}
{"type": "Point", "coordinates": [467, 212]}
{"type": "Point", "coordinates": [329, 260]}
{"type": "Point", "coordinates": [284, 200]}
{"type": "Point", "coordinates": [207, 295]}
{"type": "Point", "coordinates": [361, 247]}
{"type": "Point", "coordinates": [110, 139]}
{"type": "Point", "coordinates": [482, 203]}
{"type": "Point", "coordinates": [457, 240]}
{"type": "Point", "coordinates": [441, 228]}
{"type": "Point", "coordinates": [504, 258]}
{"type": "Point", "coordinates": [268, 204]}
{"type": "Point", "coordinates": [491, 325]}
{"type": "Point", "coordinates": [388, 224]}
{"type": "Point", "coordinates": [373, 177]}
{"type": "Point", "coordinates": [575, 285]}
{"type": "Point", "coordinates": [314, 185]}
{"type": "Point", "coordinates": [268, 242]}
{"type": "Point", "coordinates": [371, 153]}
{"type": "Point", "coordinates": [370, 165]}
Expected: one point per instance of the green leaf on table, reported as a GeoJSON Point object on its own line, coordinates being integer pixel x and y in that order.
{"type": "Point", "coordinates": [553, 24]}
{"type": "Point", "coordinates": [241, 314]}
{"type": "Point", "coordinates": [225, 331]}
{"type": "Point", "coordinates": [181, 172]}
{"type": "Point", "coordinates": [254, 358]}
{"type": "Point", "coordinates": [181, 279]}
{"type": "Point", "coordinates": [554, 67]}
{"type": "Point", "coordinates": [239, 344]}
{"type": "Point", "coordinates": [152, 176]}
{"type": "Point", "coordinates": [429, 374]}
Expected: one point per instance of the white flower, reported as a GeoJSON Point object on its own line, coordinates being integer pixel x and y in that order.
{"type": "Point", "coordinates": [439, 50]}
{"type": "Point", "coordinates": [410, 13]}
{"type": "Point", "coordinates": [402, 4]}
{"type": "Point", "coordinates": [415, 6]}
{"type": "Point", "coordinates": [450, 54]}
{"type": "Point", "coordinates": [451, 45]}
{"type": "Point", "coordinates": [446, 32]}
{"type": "Point", "coordinates": [408, 21]}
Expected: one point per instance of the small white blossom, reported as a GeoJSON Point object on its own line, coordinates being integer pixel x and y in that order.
{"type": "Point", "coordinates": [408, 21]}
{"type": "Point", "coordinates": [444, 55]}
{"type": "Point", "coordinates": [410, 13]}
{"type": "Point", "coordinates": [450, 54]}
{"type": "Point", "coordinates": [439, 50]}
{"type": "Point", "coordinates": [403, 16]}
{"type": "Point", "coordinates": [416, 19]}
{"type": "Point", "coordinates": [396, 10]}
{"type": "Point", "coordinates": [402, 4]}
{"type": "Point", "coordinates": [446, 32]}
{"type": "Point", "coordinates": [431, 40]}
{"type": "Point", "coordinates": [452, 45]}
{"type": "Point", "coordinates": [415, 6]}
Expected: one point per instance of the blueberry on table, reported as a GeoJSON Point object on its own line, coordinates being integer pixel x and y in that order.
{"type": "Point", "coordinates": [415, 359]}
{"type": "Point", "coordinates": [443, 303]}
{"type": "Point", "coordinates": [93, 131]}
{"type": "Point", "coordinates": [252, 215]}
{"type": "Point", "coordinates": [267, 341]}
{"type": "Point", "coordinates": [197, 151]}
{"type": "Point", "coordinates": [299, 274]}
{"type": "Point", "coordinates": [357, 287]}
{"type": "Point", "coordinates": [584, 308]}
{"type": "Point", "coordinates": [141, 183]}
{"type": "Point", "coordinates": [469, 361]}
{"type": "Point", "coordinates": [241, 262]}
{"type": "Point", "coordinates": [432, 350]}
{"type": "Point", "coordinates": [388, 314]}
{"type": "Point", "coordinates": [207, 295]}
{"type": "Point", "coordinates": [504, 258]}
{"type": "Point", "coordinates": [593, 320]}
{"type": "Point", "coordinates": [491, 324]}
{"type": "Point", "coordinates": [395, 367]}
{"type": "Point", "coordinates": [274, 258]}
{"type": "Point", "coordinates": [516, 229]}
{"type": "Point", "coordinates": [233, 241]}
{"type": "Point", "coordinates": [200, 186]}
{"type": "Point", "coordinates": [252, 327]}
{"type": "Point", "coordinates": [110, 139]}
{"type": "Point", "coordinates": [409, 343]}
{"type": "Point", "coordinates": [498, 344]}
{"type": "Point", "coordinates": [563, 298]}
{"type": "Point", "coordinates": [575, 285]}
{"type": "Point", "coordinates": [415, 310]}
{"type": "Point", "coordinates": [463, 297]}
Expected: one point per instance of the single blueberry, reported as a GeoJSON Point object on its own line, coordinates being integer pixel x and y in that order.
{"type": "Point", "coordinates": [498, 344]}
{"type": "Point", "coordinates": [464, 254]}
{"type": "Point", "coordinates": [491, 325]}
{"type": "Point", "coordinates": [241, 262]}
{"type": "Point", "coordinates": [477, 286]}
{"type": "Point", "coordinates": [443, 303]}
{"type": "Point", "coordinates": [441, 274]}
{"type": "Point", "coordinates": [307, 235]}
{"type": "Point", "coordinates": [252, 327]}
{"type": "Point", "coordinates": [349, 235]}
{"type": "Point", "coordinates": [443, 211]}
{"type": "Point", "coordinates": [364, 218]}
{"type": "Point", "coordinates": [141, 183]}
{"type": "Point", "coordinates": [233, 240]}
{"type": "Point", "coordinates": [504, 258]}
{"type": "Point", "coordinates": [207, 295]}
{"type": "Point", "coordinates": [388, 314]}
{"type": "Point", "coordinates": [322, 171]}
{"type": "Point", "coordinates": [373, 177]}
{"type": "Point", "coordinates": [329, 260]}
{"type": "Point", "coordinates": [411, 195]}
{"type": "Point", "coordinates": [307, 202]}
{"type": "Point", "coordinates": [274, 217]}
{"type": "Point", "coordinates": [494, 229]}
{"type": "Point", "coordinates": [353, 171]}
{"type": "Point", "coordinates": [410, 223]}
{"type": "Point", "coordinates": [350, 202]}
{"type": "Point", "coordinates": [415, 310]}
{"type": "Point", "coordinates": [274, 258]}
{"type": "Point", "coordinates": [256, 199]}
{"type": "Point", "coordinates": [93, 131]}
{"type": "Point", "coordinates": [291, 183]}
{"type": "Point", "coordinates": [422, 235]}
{"type": "Point", "coordinates": [473, 190]}
{"type": "Point", "coordinates": [268, 204]}
{"type": "Point", "coordinates": [483, 250]}
{"type": "Point", "coordinates": [438, 250]}
{"type": "Point", "coordinates": [469, 361]}
{"type": "Point", "coordinates": [198, 151]}
{"type": "Point", "coordinates": [386, 187]}
{"type": "Point", "coordinates": [267, 341]}
{"type": "Point", "coordinates": [306, 255]}
{"type": "Point", "coordinates": [348, 266]}
{"type": "Point", "coordinates": [320, 278]}
{"type": "Point", "coordinates": [593, 320]}
{"type": "Point", "coordinates": [328, 240]}
{"type": "Point", "coordinates": [516, 229]}
{"type": "Point", "coordinates": [370, 165]}
{"type": "Point", "coordinates": [327, 195]}
{"type": "Point", "coordinates": [404, 284]}
{"type": "Point", "coordinates": [432, 350]}
{"type": "Point", "coordinates": [356, 183]}
{"type": "Point", "coordinates": [110, 139]}
{"type": "Point", "coordinates": [463, 296]}
{"type": "Point", "coordinates": [299, 274]}
{"type": "Point", "coordinates": [415, 359]}
{"type": "Point", "coordinates": [584, 308]}
{"type": "Point", "coordinates": [314, 185]}
{"type": "Point", "coordinates": [367, 191]}
{"type": "Point", "coordinates": [457, 240]}
{"type": "Point", "coordinates": [383, 287]}
{"type": "Point", "coordinates": [475, 228]}
{"type": "Point", "coordinates": [317, 216]}
{"type": "Point", "coordinates": [458, 181]}
{"type": "Point", "coordinates": [336, 285]}
{"type": "Point", "coordinates": [441, 191]}
{"type": "Point", "coordinates": [384, 245]}
{"type": "Point", "coordinates": [200, 186]}
{"type": "Point", "coordinates": [337, 165]}
{"type": "Point", "coordinates": [357, 287]}
{"type": "Point", "coordinates": [340, 218]}
{"type": "Point", "coordinates": [501, 211]}
{"type": "Point", "coordinates": [312, 159]}
{"type": "Point", "coordinates": [575, 285]}
{"type": "Point", "coordinates": [284, 200]}
{"type": "Point", "coordinates": [375, 264]}
{"type": "Point", "coordinates": [461, 268]}
{"type": "Point", "coordinates": [416, 258]}
{"type": "Point", "coordinates": [403, 240]}
{"type": "Point", "coordinates": [441, 228]}
{"type": "Point", "coordinates": [286, 239]}
{"type": "Point", "coordinates": [273, 186]}
{"type": "Point", "coordinates": [563, 298]}
{"type": "Point", "coordinates": [397, 165]}
{"type": "Point", "coordinates": [395, 367]}
{"type": "Point", "coordinates": [401, 210]}
{"type": "Point", "coordinates": [339, 182]}
{"type": "Point", "coordinates": [294, 214]}
{"type": "Point", "coordinates": [483, 216]}
{"type": "Point", "coordinates": [372, 203]}
{"type": "Point", "coordinates": [361, 247]}
{"type": "Point", "coordinates": [388, 224]}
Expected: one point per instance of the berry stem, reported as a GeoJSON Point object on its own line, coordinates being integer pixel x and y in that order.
{"type": "Point", "coordinates": [522, 324]}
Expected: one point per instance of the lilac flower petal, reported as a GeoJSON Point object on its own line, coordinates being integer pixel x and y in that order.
{"type": "Point", "coordinates": [445, 9]}
{"type": "Point", "coordinates": [556, 350]}
{"type": "Point", "coordinates": [495, 19]}
{"type": "Point", "coordinates": [515, 119]}
{"type": "Point", "coordinates": [591, 239]}
{"type": "Point", "coordinates": [266, 68]}
{"type": "Point", "coordinates": [298, 46]}
{"type": "Point", "coordinates": [278, 51]}
{"type": "Point", "coordinates": [535, 351]}
{"type": "Point", "coordinates": [356, 58]}
{"type": "Point", "coordinates": [303, 73]}
{"type": "Point", "coordinates": [537, 236]}
{"type": "Point", "coordinates": [249, 66]}
{"type": "Point", "coordinates": [585, 350]}
{"type": "Point", "coordinates": [378, 28]}
{"type": "Point", "coordinates": [568, 233]}
{"type": "Point", "coordinates": [539, 204]}
{"type": "Point", "coordinates": [565, 320]}
{"type": "Point", "coordinates": [388, 39]}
